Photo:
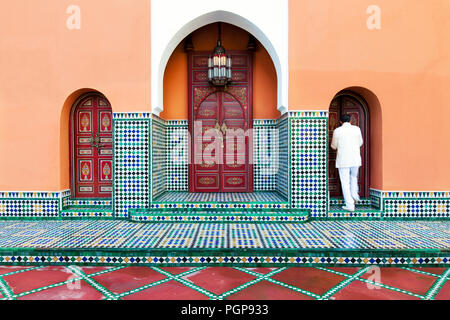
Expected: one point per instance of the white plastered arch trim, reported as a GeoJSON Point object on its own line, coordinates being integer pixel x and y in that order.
{"type": "Point", "coordinates": [174, 20]}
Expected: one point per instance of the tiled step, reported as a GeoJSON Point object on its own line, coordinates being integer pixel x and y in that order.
{"type": "Point", "coordinates": [224, 197]}
{"type": "Point", "coordinates": [232, 215]}
{"type": "Point", "coordinates": [361, 211]}
{"type": "Point", "coordinates": [317, 243]}
{"type": "Point", "coordinates": [84, 211]}
{"type": "Point", "coordinates": [226, 201]}
{"type": "Point", "coordinates": [87, 202]}
{"type": "Point", "coordinates": [341, 202]}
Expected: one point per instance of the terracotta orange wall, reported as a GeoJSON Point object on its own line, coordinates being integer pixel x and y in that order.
{"type": "Point", "coordinates": [42, 63]}
{"type": "Point", "coordinates": [233, 38]}
{"type": "Point", "coordinates": [406, 65]}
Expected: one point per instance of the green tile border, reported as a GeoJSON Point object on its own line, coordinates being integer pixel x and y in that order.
{"type": "Point", "coordinates": [229, 257]}
{"type": "Point", "coordinates": [78, 275]}
{"type": "Point", "coordinates": [437, 286]}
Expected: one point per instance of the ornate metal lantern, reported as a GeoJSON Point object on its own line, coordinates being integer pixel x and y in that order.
{"type": "Point", "coordinates": [219, 65]}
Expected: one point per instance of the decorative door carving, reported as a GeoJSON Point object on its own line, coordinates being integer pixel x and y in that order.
{"type": "Point", "coordinates": [91, 147]}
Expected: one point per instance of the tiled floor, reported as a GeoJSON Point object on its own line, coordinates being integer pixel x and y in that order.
{"type": "Point", "coordinates": [358, 208]}
{"type": "Point", "coordinates": [227, 197]}
{"type": "Point", "coordinates": [355, 235]}
{"type": "Point", "coordinates": [221, 283]}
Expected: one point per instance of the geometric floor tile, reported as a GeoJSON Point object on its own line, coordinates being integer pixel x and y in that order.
{"type": "Point", "coordinates": [118, 234]}
{"type": "Point", "coordinates": [309, 279]}
{"type": "Point", "coordinates": [176, 270]}
{"type": "Point", "coordinates": [444, 293]}
{"type": "Point", "coordinates": [347, 270]}
{"type": "Point", "coordinates": [358, 290]}
{"type": "Point", "coordinates": [404, 279]}
{"type": "Point", "coordinates": [262, 270]}
{"type": "Point", "coordinates": [436, 271]}
{"type": "Point", "coordinates": [127, 279]}
{"type": "Point", "coordinates": [219, 280]}
{"type": "Point", "coordinates": [82, 291]}
{"type": "Point", "coordinates": [171, 290]}
{"type": "Point", "coordinates": [34, 279]}
{"type": "Point", "coordinates": [8, 269]}
{"type": "Point", "coordinates": [227, 283]}
{"type": "Point", "coordinates": [91, 270]}
{"type": "Point", "coordinates": [265, 290]}
{"type": "Point", "coordinates": [232, 197]}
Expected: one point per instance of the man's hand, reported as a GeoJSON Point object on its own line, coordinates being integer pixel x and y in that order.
{"type": "Point", "coordinates": [334, 142]}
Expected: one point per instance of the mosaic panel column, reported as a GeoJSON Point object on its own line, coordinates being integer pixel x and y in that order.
{"type": "Point", "coordinates": [131, 162]}
{"type": "Point", "coordinates": [177, 160]}
{"type": "Point", "coordinates": [309, 161]}
{"type": "Point", "coordinates": [265, 155]}
{"type": "Point", "coordinates": [159, 154]}
{"type": "Point", "coordinates": [270, 153]}
{"type": "Point", "coordinates": [283, 158]}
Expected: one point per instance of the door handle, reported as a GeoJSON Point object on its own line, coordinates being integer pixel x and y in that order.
{"type": "Point", "coordinates": [224, 128]}
{"type": "Point", "coordinates": [95, 142]}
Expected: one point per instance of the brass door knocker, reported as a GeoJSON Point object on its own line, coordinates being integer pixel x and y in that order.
{"type": "Point", "coordinates": [95, 142]}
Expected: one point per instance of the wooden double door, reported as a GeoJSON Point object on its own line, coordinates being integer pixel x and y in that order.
{"type": "Point", "coordinates": [220, 124]}
{"type": "Point", "coordinates": [91, 147]}
{"type": "Point", "coordinates": [355, 106]}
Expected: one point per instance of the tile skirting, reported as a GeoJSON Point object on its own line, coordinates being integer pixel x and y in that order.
{"type": "Point", "coordinates": [236, 259]}
{"type": "Point", "coordinates": [26, 205]}
{"type": "Point", "coordinates": [412, 205]}
{"type": "Point", "coordinates": [34, 204]}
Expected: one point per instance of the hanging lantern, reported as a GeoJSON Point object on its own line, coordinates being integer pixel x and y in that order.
{"type": "Point", "coordinates": [219, 65]}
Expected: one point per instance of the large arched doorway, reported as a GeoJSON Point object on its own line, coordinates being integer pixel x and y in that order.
{"type": "Point", "coordinates": [251, 95]}
{"type": "Point", "coordinates": [171, 31]}
{"type": "Point", "coordinates": [347, 102]}
{"type": "Point", "coordinates": [91, 147]}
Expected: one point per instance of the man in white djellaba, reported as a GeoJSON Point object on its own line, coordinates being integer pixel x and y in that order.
{"type": "Point", "coordinates": [347, 140]}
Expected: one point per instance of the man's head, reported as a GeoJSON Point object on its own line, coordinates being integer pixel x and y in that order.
{"type": "Point", "coordinates": [345, 118]}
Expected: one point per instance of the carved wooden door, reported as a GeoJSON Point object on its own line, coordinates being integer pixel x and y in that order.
{"type": "Point", "coordinates": [347, 104]}
{"type": "Point", "coordinates": [219, 123]}
{"type": "Point", "coordinates": [221, 153]}
{"type": "Point", "coordinates": [91, 148]}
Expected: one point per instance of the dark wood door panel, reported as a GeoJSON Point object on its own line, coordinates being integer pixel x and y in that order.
{"type": "Point", "coordinates": [347, 104]}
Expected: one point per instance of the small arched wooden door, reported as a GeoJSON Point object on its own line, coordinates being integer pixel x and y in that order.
{"type": "Point", "coordinates": [91, 147]}
{"type": "Point", "coordinates": [356, 107]}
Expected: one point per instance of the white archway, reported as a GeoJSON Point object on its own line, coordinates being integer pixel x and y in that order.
{"type": "Point", "coordinates": [174, 20]}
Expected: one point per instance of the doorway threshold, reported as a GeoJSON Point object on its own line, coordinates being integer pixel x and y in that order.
{"type": "Point", "coordinates": [363, 209]}
{"type": "Point", "coordinates": [221, 200]}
